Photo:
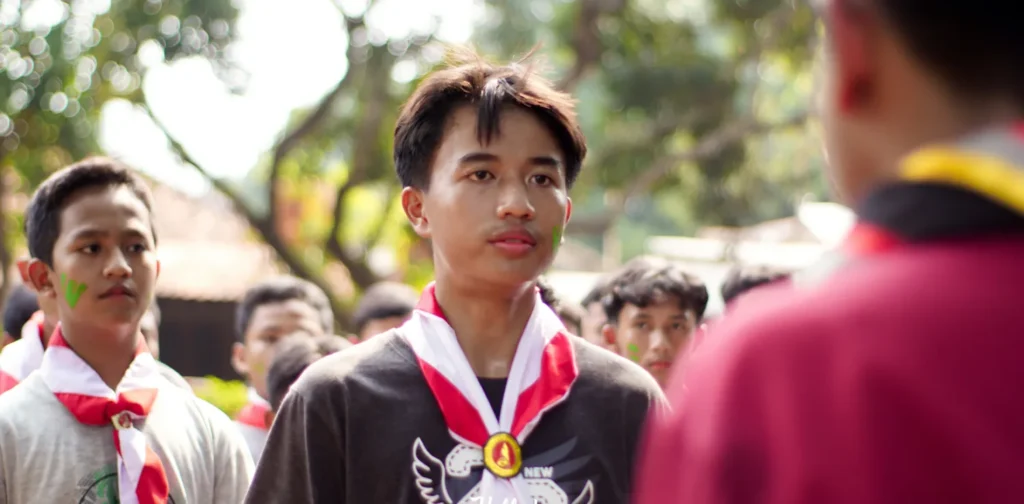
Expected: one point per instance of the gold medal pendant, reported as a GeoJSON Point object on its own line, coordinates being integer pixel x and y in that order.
{"type": "Point", "coordinates": [503, 455]}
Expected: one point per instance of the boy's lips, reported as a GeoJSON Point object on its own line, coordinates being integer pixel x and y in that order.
{"type": "Point", "coordinates": [659, 365]}
{"type": "Point", "coordinates": [118, 291]}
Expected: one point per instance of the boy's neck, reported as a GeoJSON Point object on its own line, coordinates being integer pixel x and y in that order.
{"type": "Point", "coordinates": [108, 352]}
{"type": "Point", "coordinates": [487, 324]}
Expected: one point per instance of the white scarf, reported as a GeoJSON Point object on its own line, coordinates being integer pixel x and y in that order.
{"type": "Point", "coordinates": [140, 473]}
{"type": "Point", "coordinates": [542, 373]}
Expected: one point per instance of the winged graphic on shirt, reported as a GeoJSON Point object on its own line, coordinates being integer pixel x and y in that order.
{"type": "Point", "coordinates": [438, 482]}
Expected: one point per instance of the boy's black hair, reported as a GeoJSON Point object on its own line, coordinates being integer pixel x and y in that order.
{"type": "Point", "coordinates": [644, 279]}
{"type": "Point", "coordinates": [293, 356]}
{"type": "Point", "coordinates": [384, 300]}
{"type": "Point", "coordinates": [279, 290]}
{"type": "Point", "coordinates": [974, 47]}
{"type": "Point", "coordinates": [21, 304]}
{"type": "Point", "coordinates": [744, 278]}
{"type": "Point", "coordinates": [42, 217]}
{"type": "Point", "coordinates": [490, 88]}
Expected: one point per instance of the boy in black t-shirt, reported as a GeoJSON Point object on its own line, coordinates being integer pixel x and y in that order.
{"type": "Point", "coordinates": [482, 396]}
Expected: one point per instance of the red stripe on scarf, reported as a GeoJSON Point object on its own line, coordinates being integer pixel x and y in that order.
{"type": "Point", "coordinates": [867, 239]}
{"type": "Point", "coordinates": [558, 372]}
{"type": "Point", "coordinates": [460, 415]}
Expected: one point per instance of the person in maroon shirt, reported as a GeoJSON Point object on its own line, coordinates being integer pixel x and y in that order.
{"type": "Point", "coordinates": [892, 371]}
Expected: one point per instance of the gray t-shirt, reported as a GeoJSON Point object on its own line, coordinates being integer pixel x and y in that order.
{"type": "Point", "coordinates": [47, 456]}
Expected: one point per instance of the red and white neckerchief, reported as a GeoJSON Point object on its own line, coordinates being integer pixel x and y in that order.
{"type": "Point", "coordinates": [24, 356]}
{"type": "Point", "coordinates": [254, 414]}
{"type": "Point", "coordinates": [542, 373]}
{"type": "Point", "coordinates": [140, 474]}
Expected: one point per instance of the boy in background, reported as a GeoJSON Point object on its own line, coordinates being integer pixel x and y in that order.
{"type": "Point", "coordinates": [384, 306]}
{"type": "Point", "coordinates": [125, 433]}
{"type": "Point", "coordinates": [19, 308]}
{"type": "Point", "coordinates": [292, 356]}
{"type": "Point", "coordinates": [653, 308]}
{"type": "Point", "coordinates": [269, 311]}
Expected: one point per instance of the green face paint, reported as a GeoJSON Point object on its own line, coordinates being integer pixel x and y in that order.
{"type": "Point", "coordinates": [633, 352]}
{"type": "Point", "coordinates": [72, 290]}
{"type": "Point", "coordinates": [556, 238]}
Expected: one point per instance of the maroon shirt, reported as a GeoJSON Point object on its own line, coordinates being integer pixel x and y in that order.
{"type": "Point", "coordinates": [897, 378]}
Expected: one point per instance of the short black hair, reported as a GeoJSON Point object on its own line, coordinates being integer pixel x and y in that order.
{"type": "Point", "coordinates": [384, 300]}
{"type": "Point", "coordinates": [741, 279]}
{"type": "Point", "coordinates": [490, 88]}
{"type": "Point", "coordinates": [21, 304]}
{"type": "Point", "coordinates": [642, 280]}
{"type": "Point", "coordinates": [154, 308]}
{"type": "Point", "coordinates": [42, 217]}
{"type": "Point", "coordinates": [293, 356]}
{"type": "Point", "coordinates": [279, 290]}
{"type": "Point", "coordinates": [975, 48]}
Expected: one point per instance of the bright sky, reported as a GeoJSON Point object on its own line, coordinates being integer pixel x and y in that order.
{"type": "Point", "coordinates": [294, 53]}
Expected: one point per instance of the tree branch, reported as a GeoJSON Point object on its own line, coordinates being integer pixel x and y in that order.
{"type": "Point", "coordinates": [263, 225]}
{"type": "Point", "coordinates": [586, 39]}
{"type": "Point", "coordinates": [706, 147]}
{"type": "Point", "coordinates": [310, 123]}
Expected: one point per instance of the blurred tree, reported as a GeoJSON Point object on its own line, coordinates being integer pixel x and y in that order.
{"type": "Point", "coordinates": [672, 95]}
{"type": "Point", "coordinates": [60, 62]}
{"type": "Point", "coordinates": [329, 193]}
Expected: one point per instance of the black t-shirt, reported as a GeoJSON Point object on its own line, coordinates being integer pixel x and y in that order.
{"type": "Point", "coordinates": [362, 427]}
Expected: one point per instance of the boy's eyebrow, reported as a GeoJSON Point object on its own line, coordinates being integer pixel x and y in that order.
{"type": "Point", "coordinates": [482, 157]}
{"type": "Point", "coordinates": [88, 233]}
{"type": "Point", "coordinates": [100, 233]}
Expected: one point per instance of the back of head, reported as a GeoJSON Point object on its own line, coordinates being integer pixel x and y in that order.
{"type": "Point", "coordinates": [21, 304]}
{"type": "Point", "coordinates": [744, 278]}
{"type": "Point", "coordinates": [489, 88]}
{"type": "Point", "coordinates": [279, 290]}
{"type": "Point", "coordinates": [975, 48]}
{"type": "Point", "coordinates": [643, 280]}
{"type": "Point", "coordinates": [292, 357]}
{"type": "Point", "coordinates": [43, 214]}
{"type": "Point", "coordinates": [384, 300]}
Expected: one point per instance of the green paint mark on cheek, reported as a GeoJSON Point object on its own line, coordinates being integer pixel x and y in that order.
{"type": "Point", "coordinates": [633, 352]}
{"type": "Point", "coordinates": [72, 290]}
{"type": "Point", "coordinates": [556, 238]}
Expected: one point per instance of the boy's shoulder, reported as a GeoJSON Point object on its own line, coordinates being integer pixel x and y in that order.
{"type": "Point", "coordinates": [26, 399]}
{"type": "Point", "coordinates": [601, 370]}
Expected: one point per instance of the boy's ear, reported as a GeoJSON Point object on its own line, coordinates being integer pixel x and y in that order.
{"type": "Point", "coordinates": [158, 268]}
{"type": "Point", "coordinates": [41, 278]}
{"type": "Point", "coordinates": [412, 203]}
{"type": "Point", "coordinates": [238, 360]}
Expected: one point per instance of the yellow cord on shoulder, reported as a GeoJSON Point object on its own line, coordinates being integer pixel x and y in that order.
{"type": "Point", "coordinates": [988, 175]}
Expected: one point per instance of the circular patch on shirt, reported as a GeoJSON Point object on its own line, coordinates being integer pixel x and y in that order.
{"type": "Point", "coordinates": [122, 421]}
{"type": "Point", "coordinates": [503, 455]}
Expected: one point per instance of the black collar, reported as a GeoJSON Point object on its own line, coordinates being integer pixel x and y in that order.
{"type": "Point", "coordinates": [928, 211]}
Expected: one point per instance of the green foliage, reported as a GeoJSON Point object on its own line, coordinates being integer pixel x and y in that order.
{"type": "Point", "coordinates": [59, 77]}
{"type": "Point", "coordinates": [228, 396]}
